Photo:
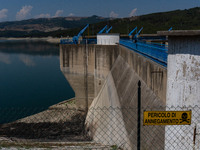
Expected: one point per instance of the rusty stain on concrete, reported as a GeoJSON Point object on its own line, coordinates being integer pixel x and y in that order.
{"type": "Point", "coordinates": [184, 68]}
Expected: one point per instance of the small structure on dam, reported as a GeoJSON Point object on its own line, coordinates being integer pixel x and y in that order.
{"type": "Point", "coordinates": [108, 38]}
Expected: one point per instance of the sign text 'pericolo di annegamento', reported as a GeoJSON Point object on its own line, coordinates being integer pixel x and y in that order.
{"type": "Point", "coordinates": [167, 118]}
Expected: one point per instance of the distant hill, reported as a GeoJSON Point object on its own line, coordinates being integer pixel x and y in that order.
{"type": "Point", "coordinates": [178, 19]}
{"type": "Point", "coordinates": [30, 26]}
{"type": "Point", "coordinates": [188, 19]}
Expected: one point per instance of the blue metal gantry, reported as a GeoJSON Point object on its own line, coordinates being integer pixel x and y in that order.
{"type": "Point", "coordinates": [132, 31]}
{"type": "Point", "coordinates": [170, 29]}
{"type": "Point", "coordinates": [109, 29]}
{"type": "Point", "coordinates": [75, 38]}
{"type": "Point", "coordinates": [102, 30]}
{"type": "Point", "coordinates": [135, 36]}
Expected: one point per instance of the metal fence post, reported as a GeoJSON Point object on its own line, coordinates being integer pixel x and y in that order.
{"type": "Point", "coordinates": [86, 75]}
{"type": "Point", "coordinates": [139, 113]}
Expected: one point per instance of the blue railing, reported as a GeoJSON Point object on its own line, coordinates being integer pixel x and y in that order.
{"type": "Point", "coordinates": [70, 41]}
{"type": "Point", "coordinates": [66, 41]}
{"type": "Point", "coordinates": [156, 52]}
{"type": "Point", "coordinates": [152, 37]}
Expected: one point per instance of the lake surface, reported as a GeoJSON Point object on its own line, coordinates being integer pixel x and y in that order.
{"type": "Point", "coordinates": [30, 75]}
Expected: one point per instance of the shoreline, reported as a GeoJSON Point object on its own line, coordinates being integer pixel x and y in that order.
{"type": "Point", "coordinates": [61, 122]}
{"type": "Point", "coordinates": [53, 114]}
{"type": "Point", "coordinates": [47, 39]}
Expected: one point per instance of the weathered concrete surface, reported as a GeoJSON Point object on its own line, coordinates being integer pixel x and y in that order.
{"type": "Point", "coordinates": [153, 74]}
{"type": "Point", "coordinates": [115, 86]}
{"type": "Point", "coordinates": [73, 66]}
{"type": "Point", "coordinates": [112, 116]}
{"type": "Point", "coordinates": [100, 61]}
{"type": "Point", "coordinates": [105, 57]}
{"type": "Point", "coordinates": [183, 85]}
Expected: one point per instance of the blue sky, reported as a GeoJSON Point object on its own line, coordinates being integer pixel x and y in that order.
{"type": "Point", "coordinates": [11, 10]}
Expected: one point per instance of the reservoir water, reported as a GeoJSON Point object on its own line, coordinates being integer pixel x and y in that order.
{"type": "Point", "coordinates": [30, 75]}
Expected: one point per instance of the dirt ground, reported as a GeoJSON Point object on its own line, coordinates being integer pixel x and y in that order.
{"type": "Point", "coordinates": [60, 123]}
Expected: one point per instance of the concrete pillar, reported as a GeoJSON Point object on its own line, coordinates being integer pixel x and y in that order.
{"type": "Point", "coordinates": [73, 67]}
{"type": "Point", "coordinates": [183, 85]}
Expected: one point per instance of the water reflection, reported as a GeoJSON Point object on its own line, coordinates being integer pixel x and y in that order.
{"type": "Point", "coordinates": [29, 47]}
{"type": "Point", "coordinates": [30, 75]}
{"type": "Point", "coordinates": [5, 58]}
{"type": "Point", "coordinates": [27, 60]}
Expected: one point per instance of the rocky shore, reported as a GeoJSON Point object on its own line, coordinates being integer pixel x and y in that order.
{"type": "Point", "coordinates": [61, 122]}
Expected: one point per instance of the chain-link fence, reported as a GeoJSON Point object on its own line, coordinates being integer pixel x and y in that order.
{"type": "Point", "coordinates": [99, 128]}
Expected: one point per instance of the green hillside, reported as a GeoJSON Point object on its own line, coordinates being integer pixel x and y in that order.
{"type": "Point", "coordinates": [178, 19]}
{"type": "Point", "coordinates": [45, 26]}
{"type": "Point", "coordinates": [151, 23]}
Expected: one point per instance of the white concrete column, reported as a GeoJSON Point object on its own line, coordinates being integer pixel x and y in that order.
{"type": "Point", "coordinates": [183, 85]}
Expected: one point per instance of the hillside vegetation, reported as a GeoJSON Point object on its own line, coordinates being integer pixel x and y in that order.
{"type": "Point", "coordinates": [66, 26]}
{"type": "Point", "coordinates": [151, 23]}
{"type": "Point", "coordinates": [44, 26]}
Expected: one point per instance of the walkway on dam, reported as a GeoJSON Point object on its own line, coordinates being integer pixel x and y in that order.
{"type": "Point", "coordinates": [154, 51]}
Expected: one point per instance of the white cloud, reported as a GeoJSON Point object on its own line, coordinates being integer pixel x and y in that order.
{"type": "Point", "coordinates": [71, 14]}
{"type": "Point", "coordinates": [133, 12]}
{"type": "Point", "coordinates": [3, 13]}
{"type": "Point", "coordinates": [58, 13]}
{"type": "Point", "coordinates": [43, 16]}
{"type": "Point", "coordinates": [114, 15]}
{"type": "Point", "coordinates": [24, 12]}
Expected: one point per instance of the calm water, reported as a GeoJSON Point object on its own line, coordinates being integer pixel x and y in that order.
{"type": "Point", "coordinates": [30, 75]}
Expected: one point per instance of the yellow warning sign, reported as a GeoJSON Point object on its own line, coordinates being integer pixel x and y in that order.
{"type": "Point", "coordinates": [167, 117]}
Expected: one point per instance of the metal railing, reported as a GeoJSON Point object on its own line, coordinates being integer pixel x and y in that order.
{"type": "Point", "coordinates": [156, 52]}
{"type": "Point", "coordinates": [70, 41]}
{"type": "Point", "coordinates": [152, 38]}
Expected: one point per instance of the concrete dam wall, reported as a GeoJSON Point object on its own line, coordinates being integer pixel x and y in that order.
{"type": "Point", "coordinates": [118, 99]}
{"type": "Point", "coordinates": [111, 81]}
{"type": "Point", "coordinates": [73, 64]}
{"type": "Point", "coordinates": [86, 73]}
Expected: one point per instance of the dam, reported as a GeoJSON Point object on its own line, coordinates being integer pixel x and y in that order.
{"type": "Point", "coordinates": [106, 75]}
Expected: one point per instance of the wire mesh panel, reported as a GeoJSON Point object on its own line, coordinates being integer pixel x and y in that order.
{"type": "Point", "coordinates": [99, 128]}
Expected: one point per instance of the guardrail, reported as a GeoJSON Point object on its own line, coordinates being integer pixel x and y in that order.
{"type": "Point", "coordinates": [152, 37]}
{"type": "Point", "coordinates": [70, 41]}
{"type": "Point", "coordinates": [154, 51]}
